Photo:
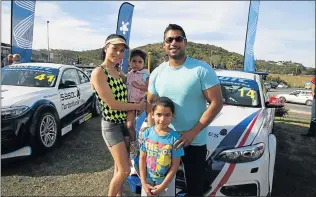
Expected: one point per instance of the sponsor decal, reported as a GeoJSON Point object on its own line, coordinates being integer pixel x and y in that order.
{"type": "Point", "coordinates": [67, 96]}
{"type": "Point", "coordinates": [66, 129]}
{"type": "Point", "coordinates": [87, 117]}
{"type": "Point", "coordinates": [70, 104]}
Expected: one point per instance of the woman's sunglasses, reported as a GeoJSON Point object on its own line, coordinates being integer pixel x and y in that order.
{"type": "Point", "coordinates": [177, 39]}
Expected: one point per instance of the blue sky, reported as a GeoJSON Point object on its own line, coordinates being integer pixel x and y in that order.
{"type": "Point", "coordinates": [286, 29]}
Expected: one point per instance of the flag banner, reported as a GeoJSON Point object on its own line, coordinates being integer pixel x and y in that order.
{"type": "Point", "coordinates": [22, 24]}
{"type": "Point", "coordinates": [249, 60]}
{"type": "Point", "coordinates": [124, 25]}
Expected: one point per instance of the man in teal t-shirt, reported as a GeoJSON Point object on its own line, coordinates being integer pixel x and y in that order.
{"type": "Point", "coordinates": [190, 84]}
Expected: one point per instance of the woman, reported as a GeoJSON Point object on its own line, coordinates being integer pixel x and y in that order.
{"type": "Point", "coordinates": [111, 92]}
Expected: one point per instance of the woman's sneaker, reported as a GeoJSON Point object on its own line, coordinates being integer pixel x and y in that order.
{"type": "Point", "coordinates": [133, 150]}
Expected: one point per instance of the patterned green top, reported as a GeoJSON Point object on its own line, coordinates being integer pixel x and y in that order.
{"type": "Point", "coordinates": [119, 91]}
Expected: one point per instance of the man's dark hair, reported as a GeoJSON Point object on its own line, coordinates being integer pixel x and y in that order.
{"type": "Point", "coordinates": [138, 52]}
{"type": "Point", "coordinates": [174, 27]}
{"type": "Point", "coordinates": [108, 38]}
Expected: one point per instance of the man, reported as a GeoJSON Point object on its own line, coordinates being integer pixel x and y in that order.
{"type": "Point", "coordinates": [312, 128]}
{"type": "Point", "coordinates": [190, 84]}
{"type": "Point", "coordinates": [9, 60]}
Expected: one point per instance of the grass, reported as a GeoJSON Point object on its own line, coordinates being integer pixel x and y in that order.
{"type": "Point", "coordinates": [291, 120]}
{"type": "Point", "coordinates": [293, 81]}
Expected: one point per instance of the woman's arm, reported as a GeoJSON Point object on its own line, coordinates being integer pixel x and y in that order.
{"type": "Point", "coordinates": [99, 82]}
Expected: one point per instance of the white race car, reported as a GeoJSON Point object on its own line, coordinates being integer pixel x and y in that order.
{"type": "Point", "coordinates": [241, 144]}
{"type": "Point", "coordinates": [40, 102]}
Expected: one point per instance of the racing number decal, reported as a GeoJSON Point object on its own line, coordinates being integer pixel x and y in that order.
{"type": "Point", "coordinates": [43, 76]}
{"type": "Point", "coordinates": [250, 93]}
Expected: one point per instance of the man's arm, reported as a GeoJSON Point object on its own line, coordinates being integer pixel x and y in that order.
{"type": "Point", "coordinates": [313, 90]}
{"type": "Point", "coordinates": [213, 95]}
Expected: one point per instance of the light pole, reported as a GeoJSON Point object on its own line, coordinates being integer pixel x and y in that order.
{"type": "Point", "coordinates": [48, 41]}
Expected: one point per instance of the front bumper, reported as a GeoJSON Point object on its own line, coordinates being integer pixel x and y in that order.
{"type": "Point", "coordinates": [15, 133]}
{"type": "Point", "coordinates": [242, 179]}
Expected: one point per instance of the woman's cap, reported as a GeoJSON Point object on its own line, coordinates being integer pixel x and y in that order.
{"type": "Point", "coordinates": [117, 41]}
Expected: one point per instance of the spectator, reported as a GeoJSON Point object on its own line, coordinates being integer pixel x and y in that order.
{"type": "Point", "coordinates": [16, 59]}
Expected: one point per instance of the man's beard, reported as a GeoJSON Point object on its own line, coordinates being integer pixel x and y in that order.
{"type": "Point", "coordinates": [178, 56]}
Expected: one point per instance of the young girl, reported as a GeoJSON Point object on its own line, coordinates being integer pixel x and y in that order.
{"type": "Point", "coordinates": [137, 83]}
{"type": "Point", "coordinates": [111, 93]}
{"type": "Point", "coordinates": [159, 160]}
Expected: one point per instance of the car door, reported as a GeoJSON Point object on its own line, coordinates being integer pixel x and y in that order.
{"type": "Point", "coordinates": [69, 94]}
{"type": "Point", "coordinates": [293, 96]}
{"type": "Point", "coordinates": [86, 93]}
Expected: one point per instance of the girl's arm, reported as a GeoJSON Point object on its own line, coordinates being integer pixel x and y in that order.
{"type": "Point", "coordinates": [99, 82]}
{"type": "Point", "coordinates": [172, 172]}
{"type": "Point", "coordinates": [143, 173]}
{"type": "Point", "coordinates": [141, 87]}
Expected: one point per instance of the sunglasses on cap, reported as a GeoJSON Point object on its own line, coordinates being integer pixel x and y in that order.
{"type": "Point", "coordinates": [177, 39]}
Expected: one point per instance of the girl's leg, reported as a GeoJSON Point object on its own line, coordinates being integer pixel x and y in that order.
{"type": "Point", "coordinates": [130, 124]}
{"type": "Point", "coordinates": [120, 156]}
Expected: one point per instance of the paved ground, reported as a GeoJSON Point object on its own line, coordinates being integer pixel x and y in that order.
{"type": "Point", "coordinates": [82, 166]}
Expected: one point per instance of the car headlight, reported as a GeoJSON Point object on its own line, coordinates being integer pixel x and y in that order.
{"type": "Point", "coordinates": [241, 155]}
{"type": "Point", "coordinates": [12, 112]}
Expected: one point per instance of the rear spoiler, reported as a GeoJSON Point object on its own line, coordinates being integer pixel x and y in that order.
{"type": "Point", "coordinates": [263, 75]}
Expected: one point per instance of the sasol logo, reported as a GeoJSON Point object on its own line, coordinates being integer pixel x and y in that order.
{"type": "Point", "coordinates": [233, 79]}
{"type": "Point", "coordinates": [66, 96]}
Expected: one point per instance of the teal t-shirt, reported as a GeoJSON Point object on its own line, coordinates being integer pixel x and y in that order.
{"type": "Point", "coordinates": [160, 152]}
{"type": "Point", "coordinates": [184, 86]}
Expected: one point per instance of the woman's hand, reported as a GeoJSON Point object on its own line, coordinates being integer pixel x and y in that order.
{"type": "Point", "coordinates": [148, 188]}
{"type": "Point", "coordinates": [142, 105]}
{"type": "Point", "coordinates": [158, 189]}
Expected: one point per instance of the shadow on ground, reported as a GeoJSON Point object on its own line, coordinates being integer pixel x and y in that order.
{"type": "Point", "coordinates": [295, 167]}
{"type": "Point", "coordinates": [82, 150]}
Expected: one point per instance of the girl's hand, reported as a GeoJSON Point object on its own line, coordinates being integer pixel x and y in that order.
{"type": "Point", "coordinates": [148, 189]}
{"type": "Point", "coordinates": [158, 189]}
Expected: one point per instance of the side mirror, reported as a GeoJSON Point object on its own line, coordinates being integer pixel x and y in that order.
{"type": "Point", "coordinates": [274, 102]}
{"type": "Point", "coordinates": [67, 84]}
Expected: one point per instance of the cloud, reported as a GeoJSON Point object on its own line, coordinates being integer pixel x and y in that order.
{"type": "Point", "coordinates": [218, 23]}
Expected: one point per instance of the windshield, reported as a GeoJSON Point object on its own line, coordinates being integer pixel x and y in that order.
{"type": "Point", "coordinates": [28, 75]}
{"type": "Point", "coordinates": [240, 92]}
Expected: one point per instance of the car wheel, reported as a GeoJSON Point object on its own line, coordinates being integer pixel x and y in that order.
{"type": "Point", "coordinates": [96, 111]}
{"type": "Point", "coordinates": [309, 102]}
{"type": "Point", "coordinates": [282, 99]}
{"type": "Point", "coordinates": [47, 132]}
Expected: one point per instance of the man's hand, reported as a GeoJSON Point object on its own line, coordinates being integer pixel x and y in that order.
{"type": "Point", "coordinates": [157, 189]}
{"type": "Point", "coordinates": [186, 139]}
{"type": "Point", "coordinates": [148, 188]}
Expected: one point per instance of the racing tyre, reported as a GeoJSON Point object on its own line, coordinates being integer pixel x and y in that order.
{"type": "Point", "coordinates": [309, 102]}
{"type": "Point", "coordinates": [96, 111]}
{"type": "Point", "coordinates": [47, 132]}
{"type": "Point", "coordinates": [282, 99]}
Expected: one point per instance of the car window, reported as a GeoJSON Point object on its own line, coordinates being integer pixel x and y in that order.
{"type": "Point", "coordinates": [82, 77]}
{"type": "Point", "coordinates": [70, 75]}
{"type": "Point", "coordinates": [28, 75]}
{"type": "Point", "coordinates": [240, 92]}
{"type": "Point", "coordinates": [295, 92]}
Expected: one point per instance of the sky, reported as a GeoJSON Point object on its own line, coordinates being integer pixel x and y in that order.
{"type": "Point", "coordinates": [286, 29]}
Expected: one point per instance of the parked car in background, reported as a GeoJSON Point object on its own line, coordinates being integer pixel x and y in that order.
{"type": "Point", "coordinates": [282, 85]}
{"type": "Point", "coordinates": [297, 96]}
{"type": "Point", "coordinates": [308, 85]}
{"type": "Point", "coordinates": [274, 84]}
{"type": "Point", "coordinates": [267, 85]}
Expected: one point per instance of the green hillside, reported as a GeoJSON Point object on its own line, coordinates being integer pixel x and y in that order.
{"type": "Point", "coordinates": [209, 53]}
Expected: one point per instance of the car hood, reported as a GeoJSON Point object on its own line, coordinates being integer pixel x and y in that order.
{"type": "Point", "coordinates": [11, 95]}
{"type": "Point", "coordinates": [233, 126]}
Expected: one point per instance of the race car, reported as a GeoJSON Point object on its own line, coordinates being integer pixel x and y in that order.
{"type": "Point", "coordinates": [41, 102]}
{"type": "Point", "coordinates": [240, 141]}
